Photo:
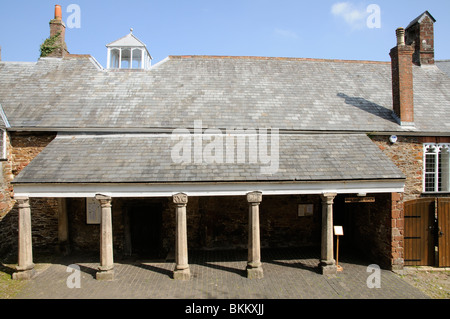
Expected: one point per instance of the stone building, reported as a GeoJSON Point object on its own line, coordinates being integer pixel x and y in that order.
{"type": "Point", "coordinates": [219, 152]}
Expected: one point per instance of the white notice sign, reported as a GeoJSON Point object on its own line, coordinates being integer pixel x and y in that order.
{"type": "Point", "coordinates": [93, 211]}
{"type": "Point", "coordinates": [338, 231]}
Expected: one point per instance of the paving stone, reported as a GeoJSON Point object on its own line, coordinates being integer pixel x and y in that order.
{"type": "Point", "coordinates": [288, 274]}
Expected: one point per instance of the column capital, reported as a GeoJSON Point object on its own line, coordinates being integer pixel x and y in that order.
{"type": "Point", "coordinates": [328, 197]}
{"type": "Point", "coordinates": [23, 201]}
{"type": "Point", "coordinates": [180, 199]}
{"type": "Point", "coordinates": [254, 197]}
{"type": "Point", "coordinates": [105, 200]}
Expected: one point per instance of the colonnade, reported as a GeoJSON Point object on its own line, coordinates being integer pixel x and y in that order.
{"type": "Point", "coordinates": [25, 268]}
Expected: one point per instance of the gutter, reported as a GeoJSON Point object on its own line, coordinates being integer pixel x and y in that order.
{"type": "Point", "coordinates": [168, 130]}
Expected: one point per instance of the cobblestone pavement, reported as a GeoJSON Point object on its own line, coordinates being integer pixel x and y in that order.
{"type": "Point", "coordinates": [288, 274]}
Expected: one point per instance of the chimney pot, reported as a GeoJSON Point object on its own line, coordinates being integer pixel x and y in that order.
{"type": "Point", "coordinates": [57, 28]}
{"type": "Point", "coordinates": [400, 36]}
{"type": "Point", "coordinates": [58, 14]}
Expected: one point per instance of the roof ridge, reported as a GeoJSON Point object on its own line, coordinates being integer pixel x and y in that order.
{"type": "Point", "coordinates": [274, 58]}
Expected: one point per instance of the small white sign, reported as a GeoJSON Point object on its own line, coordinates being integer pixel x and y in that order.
{"type": "Point", "coordinates": [338, 231]}
{"type": "Point", "coordinates": [93, 211]}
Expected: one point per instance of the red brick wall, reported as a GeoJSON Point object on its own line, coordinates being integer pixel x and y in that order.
{"type": "Point", "coordinates": [402, 83]}
{"type": "Point", "coordinates": [424, 52]}
{"type": "Point", "coordinates": [397, 231]}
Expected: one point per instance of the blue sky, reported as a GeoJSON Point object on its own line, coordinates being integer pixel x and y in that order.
{"type": "Point", "coordinates": [330, 29]}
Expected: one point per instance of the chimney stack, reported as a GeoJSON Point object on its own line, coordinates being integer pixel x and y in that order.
{"type": "Point", "coordinates": [420, 35]}
{"type": "Point", "coordinates": [58, 30]}
{"type": "Point", "coordinates": [402, 80]}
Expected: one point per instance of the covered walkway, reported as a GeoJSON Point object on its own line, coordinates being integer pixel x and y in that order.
{"type": "Point", "coordinates": [95, 167]}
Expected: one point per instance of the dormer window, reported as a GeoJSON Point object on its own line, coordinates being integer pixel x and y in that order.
{"type": "Point", "coordinates": [128, 53]}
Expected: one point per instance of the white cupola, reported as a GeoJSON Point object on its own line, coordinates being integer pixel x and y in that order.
{"type": "Point", "coordinates": [128, 53]}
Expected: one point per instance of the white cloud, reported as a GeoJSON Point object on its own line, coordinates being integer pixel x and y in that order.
{"type": "Point", "coordinates": [352, 15]}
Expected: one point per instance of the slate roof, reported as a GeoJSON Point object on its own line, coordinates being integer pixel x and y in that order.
{"type": "Point", "coordinates": [420, 18]}
{"type": "Point", "coordinates": [145, 158]}
{"type": "Point", "coordinates": [74, 93]}
{"type": "Point", "coordinates": [444, 65]}
{"type": "Point", "coordinates": [127, 41]}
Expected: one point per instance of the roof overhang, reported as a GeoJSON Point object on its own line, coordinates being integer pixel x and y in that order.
{"type": "Point", "coordinates": [208, 189]}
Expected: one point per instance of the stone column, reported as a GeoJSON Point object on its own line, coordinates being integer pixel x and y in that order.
{"type": "Point", "coordinates": [254, 268]}
{"type": "Point", "coordinates": [25, 267]}
{"type": "Point", "coordinates": [63, 227]}
{"type": "Point", "coordinates": [327, 262]}
{"type": "Point", "coordinates": [181, 271]}
{"type": "Point", "coordinates": [106, 268]}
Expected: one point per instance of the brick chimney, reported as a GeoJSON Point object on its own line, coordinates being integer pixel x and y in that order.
{"type": "Point", "coordinates": [420, 35]}
{"type": "Point", "coordinates": [58, 30]}
{"type": "Point", "coordinates": [402, 80]}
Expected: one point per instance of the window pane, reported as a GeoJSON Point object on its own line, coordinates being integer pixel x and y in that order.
{"type": "Point", "coordinates": [115, 58]}
{"type": "Point", "coordinates": [444, 167]}
{"type": "Point", "coordinates": [430, 174]}
{"type": "Point", "coordinates": [126, 55]}
{"type": "Point", "coordinates": [137, 59]}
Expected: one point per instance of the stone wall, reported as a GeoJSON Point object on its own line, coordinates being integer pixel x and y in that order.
{"type": "Point", "coordinates": [7, 221]}
{"type": "Point", "coordinates": [23, 147]}
{"type": "Point", "coordinates": [407, 154]}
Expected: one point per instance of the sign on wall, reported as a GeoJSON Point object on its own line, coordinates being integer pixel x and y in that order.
{"type": "Point", "coordinates": [93, 211]}
{"type": "Point", "coordinates": [305, 210]}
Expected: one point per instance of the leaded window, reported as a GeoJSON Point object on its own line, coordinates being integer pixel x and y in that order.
{"type": "Point", "coordinates": [436, 167]}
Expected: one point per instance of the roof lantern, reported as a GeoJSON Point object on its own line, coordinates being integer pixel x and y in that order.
{"type": "Point", "coordinates": [128, 52]}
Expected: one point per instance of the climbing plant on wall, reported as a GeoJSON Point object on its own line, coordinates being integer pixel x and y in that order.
{"type": "Point", "coordinates": [49, 45]}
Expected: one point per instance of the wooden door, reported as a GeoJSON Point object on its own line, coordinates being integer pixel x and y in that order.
{"type": "Point", "coordinates": [418, 236]}
{"type": "Point", "coordinates": [444, 232]}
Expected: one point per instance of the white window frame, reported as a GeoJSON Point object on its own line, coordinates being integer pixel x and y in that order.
{"type": "Point", "coordinates": [442, 176]}
{"type": "Point", "coordinates": [138, 58]}
{"type": "Point", "coordinates": [3, 156]}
